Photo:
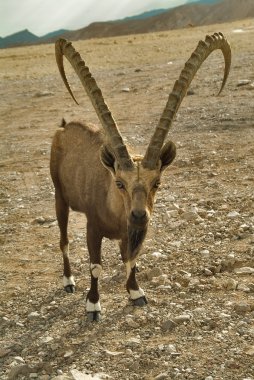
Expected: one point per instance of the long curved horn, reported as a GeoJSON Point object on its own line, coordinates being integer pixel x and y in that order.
{"type": "Point", "coordinates": [202, 51]}
{"type": "Point", "coordinates": [65, 48]}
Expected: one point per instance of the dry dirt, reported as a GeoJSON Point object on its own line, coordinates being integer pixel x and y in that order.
{"type": "Point", "coordinates": [197, 265]}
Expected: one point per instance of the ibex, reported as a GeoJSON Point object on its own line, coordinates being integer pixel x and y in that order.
{"type": "Point", "coordinates": [94, 173]}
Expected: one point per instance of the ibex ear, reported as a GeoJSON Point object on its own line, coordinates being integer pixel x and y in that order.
{"type": "Point", "coordinates": [108, 158]}
{"type": "Point", "coordinates": [167, 154]}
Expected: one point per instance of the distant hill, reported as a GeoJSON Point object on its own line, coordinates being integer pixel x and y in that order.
{"type": "Point", "coordinates": [192, 14]}
{"type": "Point", "coordinates": [53, 34]}
{"type": "Point", "coordinates": [18, 39]}
{"type": "Point", "coordinates": [156, 12]}
{"type": "Point", "coordinates": [201, 12]}
{"type": "Point", "coordinates": [24, 37]}
{"type": "Point", "coordinates": [145, 15]}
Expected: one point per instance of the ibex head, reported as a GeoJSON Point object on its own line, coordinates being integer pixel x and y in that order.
{"type": "Point", "coordinates": [137, 179]}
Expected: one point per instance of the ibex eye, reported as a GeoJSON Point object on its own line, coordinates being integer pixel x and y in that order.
{"type": "Point", "coordinates": [120, 185]}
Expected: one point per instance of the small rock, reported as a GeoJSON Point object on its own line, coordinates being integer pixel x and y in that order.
{"type": "Point", "coordinates": [33, 315]}
{"type": "Point", "coordinates": [68, 354]}
{"type": "Point", "coordinates": [243, 288]}
{"type": "Point", "coordinates": [125, 89]}
{"type": "Point", "coordinates": [43, 93]}
{"type": "Point", "coordinates": [170, 348]}
{"type": "Point", "coordinates": [233, 214]}
{"type": "Point", "coordinates": [242, 307]}
{"type": "Point", "coordinates": [4, 352]}
{"type": "Point", "coordinates": [169, 325]}
{"type": "Point", "coordinates": [243, 82]}
{"type": "Point", "coordinates": [161, 376]}
{"type": "Point", "coordinates": [33, 375]}
{"type": "Point", "coordinates": [47, 339]}
{"type": "Point", "coordinates": [133, 342]}
{"type": "Point", "coordinates": [157, 255]}
{"type": "Point", "coordinates": [250, 351]}
{"type": "Point", "coordinates": [180, 319]}
{"type": "Point", "coordinates": [77, 375]}
{"type": "Point", "coordinates": [155, 272]}
{"type": "Point", "coordinates": [205, 253]}
{"type": "Point", "coordinates": [19, 359]}
{"type": "Point", "coordinates": [230, 284]}
{"type": "Point", "coordinates": [39, 220]}
{"type": "Point", "coordinates": [244, 270]}
{"type": "Point", "coordinates": [19, 370]}
{"type": "Point", "coordinates": [113, 353]}
{"type": "Point", "coordinates": [207, 272]}
{"type": "Point", "coordinates": [190, 215]}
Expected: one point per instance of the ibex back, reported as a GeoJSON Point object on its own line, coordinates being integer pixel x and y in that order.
{"type": "Point", "coordinates": [94, 173]}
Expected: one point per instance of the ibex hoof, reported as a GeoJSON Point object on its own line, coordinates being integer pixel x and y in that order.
{"type": "Point", "coordinates": [142, 301]}
{"type": "Point", "coordinates": [94, 316]}
{"type": "Point", "coordinates": [69, 288]}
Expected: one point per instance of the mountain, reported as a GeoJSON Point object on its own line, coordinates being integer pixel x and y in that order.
{"type": "Point", "coordinates": [204, 1]}
{"type": "Point", "coordinates": [193, 13]}
{"type": "Point", "coordinates": [144, 15]}
{"type": "Point", "coordinates": [24, 37]}
{"type": "Point", "coordinates": [53, 34]}
{"type": "Point", "coordinates": [18, 38]}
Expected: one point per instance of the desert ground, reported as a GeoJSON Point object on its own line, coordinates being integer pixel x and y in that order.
{"type": "Point", "coordinates": [197, 265]}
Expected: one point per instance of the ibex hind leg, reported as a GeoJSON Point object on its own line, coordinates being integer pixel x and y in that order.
{"type": "Point", "coordinates": [62, 213]}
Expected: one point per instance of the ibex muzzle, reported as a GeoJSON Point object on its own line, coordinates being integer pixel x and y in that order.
{"type": "Point", "coordinates": [95, 173]}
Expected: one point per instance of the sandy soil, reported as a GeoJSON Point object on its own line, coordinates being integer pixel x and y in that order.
{"type": "Point", "coordinates": [199, 323]}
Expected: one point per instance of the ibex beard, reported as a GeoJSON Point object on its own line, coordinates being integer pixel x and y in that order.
{"type": "Point", "coordinates": [96, 174]}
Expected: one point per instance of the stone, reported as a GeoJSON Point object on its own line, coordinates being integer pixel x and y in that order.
{"type": "Point", "coordinates": [19, 370]}
{"type": "Point", "coordinates": [180, 319]}
{"type": "Point", "coordinates": [230, 284]}
{"type": "Point", "coordinates": [157, 255]}
{"type": "Point", "coordinates": [33, 315]}
{"type": "Point", "coordinates": [243, 288]}
{"type": "Point", "coordinates": [207, 272]}
{"type": "Point", "coordinates": [250, 351]}
{"type": "Point", "coordinates": [169, 325]}
{"type": "Point", "coordinates": [233, 214]}
{"type": "Point", "coordinates": [190, 216]}
{"type": "Point", "coordinates": [161, 376]}
{"type": "Point", "coordinates": [154, 272]}
{"type": "Point", "coordinates": [242, 307]}
{"type": "Point", "coordinates": [244, 270]}
{"type": "Point", "coordinates": [43, 93]}
{"type": "Point", "coordinates": [125, 89]}
{"type": "Point", "coordinates": [243, 82]}
{"type": "Point", "coordinates": [4, 352]}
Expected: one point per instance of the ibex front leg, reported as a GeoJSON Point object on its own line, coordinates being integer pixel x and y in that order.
{"type": "Point", "coordinates": [137, 294]}
{"type": "Point", "coordinates": [93, 306]}
{"type": "Point", "coordinates": [62, 213]}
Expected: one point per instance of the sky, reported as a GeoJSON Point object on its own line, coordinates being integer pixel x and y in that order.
{"type": "Point", "coordinates": [43, 16]}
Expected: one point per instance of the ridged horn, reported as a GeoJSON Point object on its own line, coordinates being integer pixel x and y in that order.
{"type": "Point", "coordinates": [202, 51]}
{"type": "Point", "coordinates": [115, 141]}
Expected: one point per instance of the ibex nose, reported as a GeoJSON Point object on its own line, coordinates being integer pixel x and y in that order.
{"type": "Point", "coordinates": [139, 216]}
